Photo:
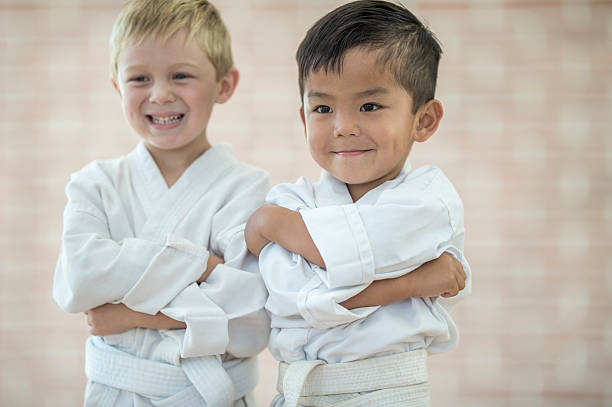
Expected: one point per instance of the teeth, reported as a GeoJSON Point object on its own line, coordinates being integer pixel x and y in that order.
{"type": "Point", "coordinates": [166, 120]}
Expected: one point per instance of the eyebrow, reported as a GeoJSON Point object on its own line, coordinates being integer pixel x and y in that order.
{"type": "Point", "coordinates": [373, 92]}
{"type": "Point", "coordinates": [184, 64]}
{"type": "Point", "coordinates": [316, 94]}
{"type": "Point", "coordinates": [173, 66]}
{"type": "Point", "coordinates": [133, 68]}
{"type": "Point", "coordinates": [366, 93]}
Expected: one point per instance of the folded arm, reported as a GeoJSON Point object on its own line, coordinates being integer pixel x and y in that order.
{"type": "Point", "coordinates": [442, 276]}
{"type": "Point", "coordinates": [280, 225]}
{"type": "Point", "coordinates": [93, 269]}
{"type": "Point", "coordinates": [111, 319]}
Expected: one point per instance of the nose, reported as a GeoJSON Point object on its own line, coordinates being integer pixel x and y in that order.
{"type": "Point", "coordinates": [161, 92]}
{"type": "Point", "coordinates": [346, 125]}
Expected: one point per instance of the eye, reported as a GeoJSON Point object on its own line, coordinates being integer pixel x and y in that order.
{"type": "Point", "coordinates": [369, 107]}
{"type": "Point", "coordinates": [181, 76]}
{"type": "Point", "coordinates": [323, 109]}
{"type": "Point", "coordinates": [140, 78]}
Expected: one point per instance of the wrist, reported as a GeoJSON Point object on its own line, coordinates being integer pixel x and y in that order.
{"type": "Point", "coordinates": [212, 262]}
{"type": "Point", "coordinates": [410, 285]}
{"type": "Point", "coordinates": [138, 319]}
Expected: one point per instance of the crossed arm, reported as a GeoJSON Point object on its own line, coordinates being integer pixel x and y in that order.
{"type": "Point", "coordinates": [111, 319]}
{"type": "Point", "coordinates": [270, 223]}
{"type": "Point", "coordinates": [443, 276]}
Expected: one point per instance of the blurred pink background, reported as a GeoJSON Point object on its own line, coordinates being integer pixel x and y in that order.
{"type": "Point", "coordinates": [526, 139]}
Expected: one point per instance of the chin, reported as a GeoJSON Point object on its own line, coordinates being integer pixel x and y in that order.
{"type": "Point", "coordinates": [352, 180]}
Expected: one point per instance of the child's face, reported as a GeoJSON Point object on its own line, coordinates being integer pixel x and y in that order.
{"type": "Point", "coordinates": [168, 92]}
{"type": "Point", "coordinates": [359, 122]}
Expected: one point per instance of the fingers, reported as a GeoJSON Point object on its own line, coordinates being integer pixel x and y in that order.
{"type": "Point", "coordinates": [457, 284]}
{"type": "Point", "coordinates": [460, 274]}
{"type": "Point", "coordinates": [461, 270]}
{"type": "Point", "coordinates": [456, 264]}
{"type": "Point", "coordinates": [461, 282]}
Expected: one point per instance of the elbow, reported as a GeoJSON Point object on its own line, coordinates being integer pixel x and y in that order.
{"type": "Point", "coordinates": [70, 306]}
{"type": "Point", "coordinates": [71, 289]}
{"type": "Point", "coordinates": [64, 297]}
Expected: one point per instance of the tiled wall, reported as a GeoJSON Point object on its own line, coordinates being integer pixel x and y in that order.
{"type": "Point", "coordinates": [526, 139]}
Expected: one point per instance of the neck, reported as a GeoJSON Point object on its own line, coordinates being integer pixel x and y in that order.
{"type": "Point", "coordinates": [173, 163]}
{"type": "Point", "coordinates": [358, 190]}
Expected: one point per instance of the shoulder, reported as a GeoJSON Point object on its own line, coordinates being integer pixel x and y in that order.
{"type": "Point", "coordinates": [294, 196]}
{"type": "Point", "coordinates": [237, 178]}
{"type": "Point", "coordinates": [437, 189]}
{"type": "Point", "coordinates": [234, 171]}
{"type": "Point", "coordinates": [95, 183]}
{"type": "Point", "coordinates": [429, 190]}
{"type": "Point", "coordinates": [247, 173]}
{"type": "Point", "coordinates": [430, 181]}
{"type": "Point", "coordinates": [99, 173]}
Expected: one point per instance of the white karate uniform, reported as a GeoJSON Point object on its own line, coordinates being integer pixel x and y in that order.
{"type": "Point", "coordinates": [390, 231]}
{"type": "Point", "coordinates": [129, 238]}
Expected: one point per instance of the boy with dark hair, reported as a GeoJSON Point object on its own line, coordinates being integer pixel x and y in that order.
{"type": "Point", "coordinates": [367, 75]}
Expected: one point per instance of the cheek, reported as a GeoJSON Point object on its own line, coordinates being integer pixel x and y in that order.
{"type": "Point", "coordinates": [319, 129]}
{"type": "Point", "coordinates": [316, 139]}
{"type": "Point", "coordinates": [131, 102]}
{"type": "Point", "coordinates": [391, 139]}
{"type": "Point", "coordinates": [202, 101]}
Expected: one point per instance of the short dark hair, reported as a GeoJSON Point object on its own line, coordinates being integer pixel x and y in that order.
{"type": "Point", "coordinates": [408, 48]}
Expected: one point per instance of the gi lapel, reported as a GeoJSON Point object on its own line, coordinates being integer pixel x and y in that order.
{"type": "Point", "coordinates": [165, 206]}
{"type": "Point", "coordinates": [330, 191]}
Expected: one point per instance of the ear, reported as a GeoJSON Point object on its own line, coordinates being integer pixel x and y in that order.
{"type": "Point", "coordinates": [227, 85]}
{"type": "Point", "coordinates": [116, 86]}
{"type": "Point", "coordinates": [427, 120]}
{"type": "Point", "coordinates": [303, 119]}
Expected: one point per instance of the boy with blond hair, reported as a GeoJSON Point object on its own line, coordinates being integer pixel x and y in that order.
{"type": "Point", "coordinates": [142, 231]}
{"type": "Point", "coordinates": [367, 76]}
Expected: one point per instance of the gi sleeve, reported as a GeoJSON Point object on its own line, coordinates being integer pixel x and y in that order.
{"type": "Point", "coordinates": [226, 312]}
{"type": "Point", "coordinates": [363, 243]}
{"type": "Point", "coordinates": [320, 306]}
{"type": "Point", "coordinates": [93, 269]}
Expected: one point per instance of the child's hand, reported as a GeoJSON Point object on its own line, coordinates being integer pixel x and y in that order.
{"type": "Point", "coordinates": [213, 261]}
{"type": "Point", "coordinates": [253, 235]}
{"type": "Point", "coordinates": [443, 276]}
{"type": "Point", "coordinates": [110, 319]}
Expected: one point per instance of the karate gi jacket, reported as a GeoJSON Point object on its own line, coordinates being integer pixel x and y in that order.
{"type": "Point", "coordinates": [129, 238]}
{"type": "Point", "coordinates": [390, 231]}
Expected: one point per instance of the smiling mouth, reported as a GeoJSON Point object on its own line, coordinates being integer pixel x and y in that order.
{"type": "Point", "coordinates": [351, 153]}
{"type": "Point", "coordinates": [165, 120]}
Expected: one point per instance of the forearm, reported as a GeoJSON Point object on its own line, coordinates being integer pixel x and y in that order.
{"type": "Point", "coordinates": [285, 227]}
{"type": "Point", "coordinates": [110, 319]}
{"type": "Point", "coordinates": [157, 321]}
{"type": "Point", "coordinates": [383, 292]}
{"type": "Point", "coordinates": [443, 276]}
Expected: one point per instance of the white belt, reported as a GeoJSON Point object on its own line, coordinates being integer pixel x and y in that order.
{"type": "Point", "coordinates": [399, 379]}
{"type": "Point", "coordinates": [213, 384]}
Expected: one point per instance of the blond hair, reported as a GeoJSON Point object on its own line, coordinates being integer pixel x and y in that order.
{"type": "Point", "coordinates": [140, 19]}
